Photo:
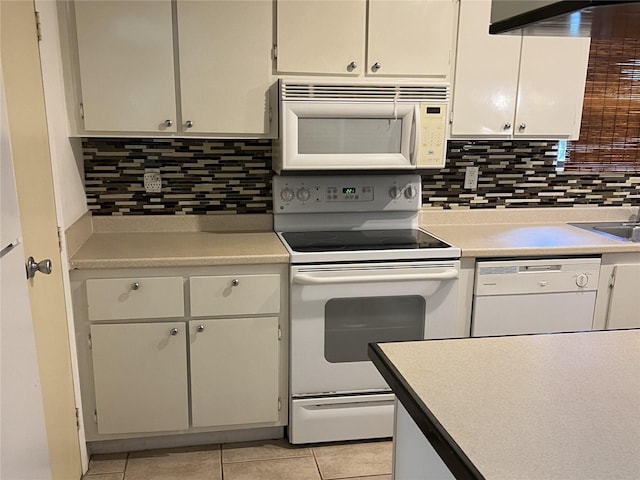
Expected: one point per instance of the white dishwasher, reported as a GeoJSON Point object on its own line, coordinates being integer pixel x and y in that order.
{"type": "Point", "coordinates": [516, 297]}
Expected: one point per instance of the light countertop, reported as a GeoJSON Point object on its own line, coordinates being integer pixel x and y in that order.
{"type": "Point", "coordinates": [559, 406]}
{"type": "Point", "coordinates": [528, 239]}
{"type": "Point", "coordinates": [528, 232]}
{"type": "Point", "coordinates": [178, 241]}
{"type": "Point", "coordinates": [178, 249]}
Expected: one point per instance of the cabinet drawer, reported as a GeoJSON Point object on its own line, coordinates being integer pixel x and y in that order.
{"type": "Point", "coordinates": [131, 298]}
{"type": "Point", "coordinates": [234, 295]}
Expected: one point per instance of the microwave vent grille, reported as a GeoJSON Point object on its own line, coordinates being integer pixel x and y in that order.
{"type": "Point", "coordinates": [366, 93]}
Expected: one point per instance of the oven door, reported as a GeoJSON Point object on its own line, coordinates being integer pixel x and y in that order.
{"type": "Point", "coordinates": [337, 310]}
{"type": "Point", "coordinates": [343, 135]}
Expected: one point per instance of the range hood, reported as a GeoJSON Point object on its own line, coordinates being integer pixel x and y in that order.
{"type": "Point", "coordinates": [567, 18]}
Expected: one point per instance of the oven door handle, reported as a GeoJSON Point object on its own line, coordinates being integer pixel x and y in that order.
{"type": "Point", "coordinates": [307, 279]}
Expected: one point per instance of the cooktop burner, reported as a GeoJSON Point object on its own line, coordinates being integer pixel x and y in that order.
{"type": "Point", "coordinates": [360, 240]}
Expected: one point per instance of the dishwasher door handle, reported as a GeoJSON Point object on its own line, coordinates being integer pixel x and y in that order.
{"type": "Point", "coordinates": [309, 279]}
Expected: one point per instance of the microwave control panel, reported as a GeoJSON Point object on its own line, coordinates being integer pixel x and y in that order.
{"type": "Point", "coordinates": [432, 135]}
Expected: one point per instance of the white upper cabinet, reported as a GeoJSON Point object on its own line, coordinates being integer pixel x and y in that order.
{"type": "Point", "coordinates": [553, 72]}
{"type": "Point", "coordinates": [325, 37]}
{"type": "Point", "coordinates": [404, 38]}
{"type": "Point", "coordinates": [128, 56]}
{"type": "Point", "coordinates": [410, 38]}
{"type": "Point", "coordinates": [225, 66]}
{"type": "Point", "coordinates": [125, 51]}
{"type": "Point", "coordinates": [510, 86]}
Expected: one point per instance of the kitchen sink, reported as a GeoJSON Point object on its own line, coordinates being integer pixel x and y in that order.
{"type": "Point", "coordinates": [629, 231]}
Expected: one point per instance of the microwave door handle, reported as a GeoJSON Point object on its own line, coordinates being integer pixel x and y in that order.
{"type": "Point", "coordinates": [307, 279]}
{"type": "Point", "coordinates": [415, 135]}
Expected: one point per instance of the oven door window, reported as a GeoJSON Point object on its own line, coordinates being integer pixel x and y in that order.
{"type": "Point", "coordinates": [352, 323]}
{"type": "Point", "coordinates": [349, 135]}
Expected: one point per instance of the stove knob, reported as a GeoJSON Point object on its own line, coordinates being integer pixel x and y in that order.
{"type": "Point", "coordinates": [582, 280]}
{"type": "Point", "coordinates": [286, 194]}
{"type": "Point", "coordinates": [410, 192]}
{"type": "Point", "coordinates": [395, 192]}
{"type": "Point", "coordinates": [303, 194]}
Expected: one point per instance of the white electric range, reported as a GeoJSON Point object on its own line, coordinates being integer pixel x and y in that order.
{"type": "Point", "coordinates": [362, 271]}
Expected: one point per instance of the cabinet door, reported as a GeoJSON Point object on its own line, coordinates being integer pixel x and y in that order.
{"type": "Point", "coordinates": [234, 371]}
{"type": "Point", "coordinates": [624, 303]}
{"type": "Point", "coordinates": [551, 88]}
{"type": "Point", "coordinates": [140, 374]}
{"type": "Point", "coordinates": [225, 66]}
{"type": "Point", "coordinates": [486, 75]}
{"type": "Point", "coordinates": [125, 51]}
{"type": "Point", "coordinates": [410, 37]}
{"type": "Point", "coordinates": [321, 36]}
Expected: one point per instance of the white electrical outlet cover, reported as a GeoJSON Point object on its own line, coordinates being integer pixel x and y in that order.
{"type": "Point", "coordinates": [152, 180]}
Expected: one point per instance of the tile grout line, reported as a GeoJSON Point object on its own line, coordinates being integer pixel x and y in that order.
{"type": "Point", "coordinates": [315, 459]}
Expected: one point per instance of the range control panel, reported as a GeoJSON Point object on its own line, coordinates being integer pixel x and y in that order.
{"type": "Point", "coordinates": [346, 193]}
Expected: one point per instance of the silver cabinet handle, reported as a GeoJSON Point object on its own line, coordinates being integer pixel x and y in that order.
{"type": "Point", "coordinates": [168, 123]}
{"type": "Point", "coordinates": [376, 66]}
{"type": "Point", "coordinates": [135, 286]}
{"type": "Point", "coordinates": [522, 126]}
{"type": "Point", "coordinates": [173, 331]}
{"type": "Point", "coordinates": [507, 126]}
{"type": "Point", "coordinates": [235, 282]}
{"type": "Point", "coordinates": [34, 267]}
{"type": "Point", "coordinates": [188, 124]}
{"type": "Point", "coordinates": [352, 66]}
{"type": "Point", "coordinates": [200, 328]}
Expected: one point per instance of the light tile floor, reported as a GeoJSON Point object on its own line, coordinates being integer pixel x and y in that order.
{"type": "Point", "coordinates": [262, 460]}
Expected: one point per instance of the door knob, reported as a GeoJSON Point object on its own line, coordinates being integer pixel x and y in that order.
{"type": "Point", "coordinates": [376, 66]}
{"type": "Point", "coordinates": [188, 124]}
{"type": "Point", "coordinates": [34, 267]}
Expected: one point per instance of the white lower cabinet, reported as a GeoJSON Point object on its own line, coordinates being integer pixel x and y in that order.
{"type": "Point", "coordinates": [618, 300]}
{"type": "Point", "coordinates": [234, 371]}
{"type": "Point", "coordinates": [221, 365]}
{"type": "Point", "coordinates": [140, 372]}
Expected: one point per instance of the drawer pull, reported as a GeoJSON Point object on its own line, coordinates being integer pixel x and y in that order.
{"type": "Point", "coordinates": [135, 286]}
{"type": "Point", "coordinates": [235, 282]}
{"type": "Point", "coordinates": [173, 331]}
{"type": "Point", "coordinates": [200, 328]}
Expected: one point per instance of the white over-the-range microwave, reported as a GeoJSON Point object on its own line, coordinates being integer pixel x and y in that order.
{"type": "Point", "coordinates": [361, 126]}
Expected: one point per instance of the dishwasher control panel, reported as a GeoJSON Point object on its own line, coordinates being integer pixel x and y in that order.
{"type": "Point", "coordinates": [516, 277]}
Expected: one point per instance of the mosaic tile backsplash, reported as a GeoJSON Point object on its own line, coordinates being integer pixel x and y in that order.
{"type": "Point", "coordinates": [234, 177]}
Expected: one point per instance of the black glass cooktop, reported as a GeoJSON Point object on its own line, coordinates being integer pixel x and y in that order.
{"type": "Point", "coordinates": [361, 240]}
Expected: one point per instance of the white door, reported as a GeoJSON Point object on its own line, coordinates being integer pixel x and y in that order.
{"type": "Point", "coordinates": [31, 154]}
{"type": "Point", "coordinates": [553, 73]}
{"type": "Point", "coordinates": [125, 52]}
{"type": "Point", "coordinates": [225, 66]}
{"type": "Point", "coordinates": [484, 98]}
{"type": "Point", "coordinates": [23, 443]}
{"type": "Point", "coordinates": [140, 372]}
{"type": "Point", "coordinates": [324, 37]}
{"type": "Point", "coordinates": [410, 38]}
{"type": "Point", "coordinates": [234, 371]}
